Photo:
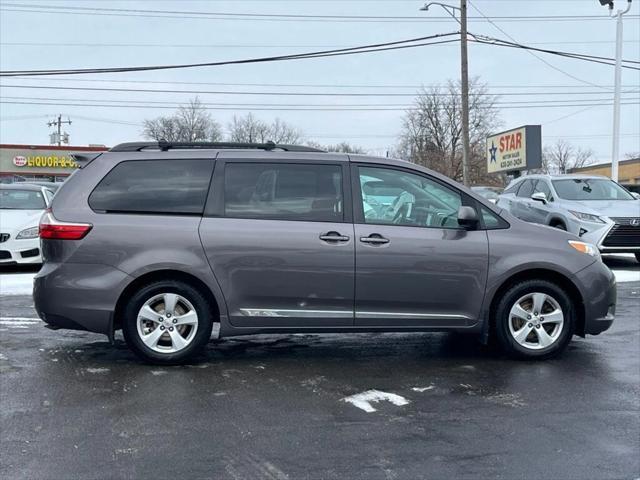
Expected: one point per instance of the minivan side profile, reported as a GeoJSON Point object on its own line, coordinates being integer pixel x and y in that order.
{"type": "Point", "coordinates": [162, 241]}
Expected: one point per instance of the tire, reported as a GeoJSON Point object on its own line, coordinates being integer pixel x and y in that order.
{"type": "Point", "coordinates": [638, 257]}
{"type": "Point", "coordinates": [164, 336]}
{"type": "Point", "coordinates": [559, 226]}
{"type": "Point", "coordinates": [523, 334]}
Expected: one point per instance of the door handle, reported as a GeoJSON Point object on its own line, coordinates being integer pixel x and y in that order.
{"type": "Point", "coordinates": [333, 237]}
{"type": "Point", "coordinates": [374, 239]}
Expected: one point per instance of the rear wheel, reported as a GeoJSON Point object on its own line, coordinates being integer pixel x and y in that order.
{"type": "Point", "coordinates": [534, 320]}
{"type": "Point", "coordinates": [167, 322]}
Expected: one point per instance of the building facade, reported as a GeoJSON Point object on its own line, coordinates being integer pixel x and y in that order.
{"type": "Point", "coordinates": [628, 170]}
{"type": "Point", "coordinates": [45, 163]}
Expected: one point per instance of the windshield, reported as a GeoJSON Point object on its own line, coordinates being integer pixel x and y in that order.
{"type": "Point", "coordinates": [590, 189]}
{"type": "Point", "coordinates": [21, 200]}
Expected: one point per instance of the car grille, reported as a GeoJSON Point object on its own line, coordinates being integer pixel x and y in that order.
{"type": "Point", "coordinates": [625, 233]}
{"type": "Point", "coordinates": [4, 237]}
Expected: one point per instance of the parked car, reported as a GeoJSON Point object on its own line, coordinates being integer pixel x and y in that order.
{"type": "Point", "coordinates": [164, 240]}
{"type": "Point", "coordinates": [21, 206]}
{"type": "Point", "coordinates": [53, 186]}
{"type": "Point", "coordinates": [490, 193]}
{"type": "Point", "coordinates": [595, 208]}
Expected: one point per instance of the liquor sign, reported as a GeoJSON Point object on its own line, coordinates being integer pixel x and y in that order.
{"type": "Point", "coordinates": [517, 149]}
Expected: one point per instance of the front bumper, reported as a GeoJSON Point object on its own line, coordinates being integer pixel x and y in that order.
{"type": "Point", "coordinates": [20, 251]}
{"type": "Point", "coordinates": [617, 235]}
{"type": "Point", "coordinates": [78, 296]}
{"type": "Point", "coordinates": [597, 285]}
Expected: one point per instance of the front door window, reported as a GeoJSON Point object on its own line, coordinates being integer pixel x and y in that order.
{"type": "Point", "coordinates": [396, 197]}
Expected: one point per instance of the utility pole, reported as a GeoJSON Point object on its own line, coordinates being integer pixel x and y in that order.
{"type": "Point", "coordinates": [615, 149]}
{"type": "Point", "coordinates": [464, 79]}
{"type": "Point", "coordinates": [58, 123]}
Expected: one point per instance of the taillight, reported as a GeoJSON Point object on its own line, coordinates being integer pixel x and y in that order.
{"type": "Point", "coordinates": [52, 229]}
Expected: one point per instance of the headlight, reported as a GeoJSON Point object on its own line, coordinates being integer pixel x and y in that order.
{"type": "Point", "coordinates": [584, 247]}
{"type": "Point", "coordinates": [587, 217]}
{"type": "Point", "coordinates": [28, 233]}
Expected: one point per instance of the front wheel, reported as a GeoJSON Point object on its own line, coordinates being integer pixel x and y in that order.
{"type": "Point", "coordinates": [167, 322]}
{"type": "Point", "coordinates": [535, 319]}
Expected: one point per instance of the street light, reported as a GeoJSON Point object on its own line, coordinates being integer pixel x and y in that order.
{"type": "Point", "coordinates": [464, 77]}
{"type": "Point", "coordinates": [615, 151]}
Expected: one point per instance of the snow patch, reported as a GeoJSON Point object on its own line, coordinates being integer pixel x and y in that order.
{"type": "Point", "coordinates": [158, 372]}
{"type": "Point", "coordinates": [423, 389]}
{"type": "Point", "coordinates": [363, 400]}
{"type": "Point", "coordinates": [623, 276]}
{"type": "Point", "coordinates": [97, 370]}
{"type": "Point", "coordinates": [16, 284]}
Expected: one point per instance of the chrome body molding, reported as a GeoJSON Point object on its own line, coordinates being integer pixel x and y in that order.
{"type": "Point", "coordinates": [302, 313]}
{"type": "Point", "coordinates": [276, 312]}
{"type": "Point", "coordinates": [406, 315]}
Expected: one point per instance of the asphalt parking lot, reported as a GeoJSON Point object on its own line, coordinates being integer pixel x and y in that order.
{"type": "Point", "coordinates": [287, 407]}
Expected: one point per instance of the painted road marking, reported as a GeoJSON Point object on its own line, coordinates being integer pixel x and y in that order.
{"type": "Point", "coordinates": [363, 400]}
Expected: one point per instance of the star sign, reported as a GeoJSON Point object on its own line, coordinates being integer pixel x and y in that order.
{"type": "Point", "coordinates": [493, 151]}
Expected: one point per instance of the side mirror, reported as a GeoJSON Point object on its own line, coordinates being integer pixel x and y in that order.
{"type": "Point", "coordinates": [468, 218]}
{"type": "Point", "coordinates": [636, 195]}
{"type": "Point", "coordinates": [539, 197]}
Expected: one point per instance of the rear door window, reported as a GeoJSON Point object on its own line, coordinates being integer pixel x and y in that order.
{"type": "Point", "coordinates": [155, 187]}
{"type": "Point", "coordinates": [284, 191]}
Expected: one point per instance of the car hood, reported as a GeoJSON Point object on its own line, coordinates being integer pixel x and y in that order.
{"type": "Point", "coordinates": [14, 220]}
{"type": "Point", "coordinates": [606, 208]}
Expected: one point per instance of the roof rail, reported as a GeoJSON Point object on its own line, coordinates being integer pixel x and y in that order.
{"type": "Point", "coordinates": [165, 146]}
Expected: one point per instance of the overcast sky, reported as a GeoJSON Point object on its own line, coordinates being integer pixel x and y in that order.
{"type": "Point", "coordinates": [45, 38]}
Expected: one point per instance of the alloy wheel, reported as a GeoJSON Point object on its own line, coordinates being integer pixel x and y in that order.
{"type": "Point", "coordinates": [167, 323]}
{"type": "Point", "coordinates": [536, 321]}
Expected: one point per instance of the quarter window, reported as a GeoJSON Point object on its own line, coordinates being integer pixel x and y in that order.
{"type": "Point", "coordinates": [526, 190]}
{"type": "Point", "coordinates": [543, 187]}
{"type": "Point", "coordinates": [154, 186]}
{"type": "Point", "coordinates": [283, 191]}
{"type": "Point", "coordinates": [400, 198]}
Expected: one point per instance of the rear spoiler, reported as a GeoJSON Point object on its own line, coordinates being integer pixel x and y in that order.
{"type": "Point", "coordinates": [84, 159]}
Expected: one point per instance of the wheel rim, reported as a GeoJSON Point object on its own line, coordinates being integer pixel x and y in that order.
{"type": "Point", "coordinates": [167, 323]}
{"type": "Point", "coordinates": [536, 321]}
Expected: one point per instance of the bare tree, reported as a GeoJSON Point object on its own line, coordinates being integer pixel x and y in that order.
{"type": "Point", "coordinates": [432, 131]}
{"type": "Point", "coordinates": [249, 129]}
{"type": "Point", "coordinates": [342, 147]}
{"type": "Point", "coordinates": [562, 156]}
{"type": "Point", "coordinates": [191, 123]}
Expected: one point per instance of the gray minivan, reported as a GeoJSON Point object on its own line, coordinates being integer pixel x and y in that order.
{"type": "Point", "coordinates": [165, 240]}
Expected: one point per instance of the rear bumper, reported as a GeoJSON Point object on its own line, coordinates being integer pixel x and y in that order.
{"type": "Point", "coordinates": [78, 296]}
{"type": "Point", "coordinates": [598, 287]}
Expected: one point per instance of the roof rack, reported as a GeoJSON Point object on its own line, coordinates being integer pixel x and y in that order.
{"type": "Point", "coordinates": [165, 146]}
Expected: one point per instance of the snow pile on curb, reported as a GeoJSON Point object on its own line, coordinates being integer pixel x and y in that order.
{"type": "Point", "coordinates": [16, 284]}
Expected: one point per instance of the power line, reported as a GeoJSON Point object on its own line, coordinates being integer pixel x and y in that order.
{"type": "Point", "coordinates": [578, 56]}
{"type": "Point", "coordinates": [233, 45]}
{"type": "Point", "coordinates": [400, 44]}
{"type": "Point", "coordinates": [557, 69]}
{"type": "Point", "coordinates": [546, 87]}
{"type": "Point", "coordinates": [203, 15]}
{"type": "Point", "coordinates": [403, 105]}
{"type": "Point", "coordinates": [285, 94]}
{"type": "Point", "coordinates": [302, 109]}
